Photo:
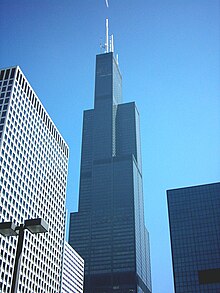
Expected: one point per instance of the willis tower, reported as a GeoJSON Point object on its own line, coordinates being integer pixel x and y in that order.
{"type": "Point", "coordinates": [108, 230]}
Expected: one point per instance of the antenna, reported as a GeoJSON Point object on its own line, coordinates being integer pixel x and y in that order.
{"type": "Point", "coordinates": [106, 35]}
{"type": "Point", "coordinates": [117, 59]}
{"type": "Point", "coordinates": [101, 46]}
{"type": "Point", "coordinates": [111, 43]}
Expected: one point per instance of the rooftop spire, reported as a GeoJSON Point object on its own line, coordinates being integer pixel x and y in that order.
{"type": "Point", "coordinates": [109, 41]}
{"type": "Point", "coordinates": [111, 44]}
{"type": "Point", "coordinates": [106, 36]}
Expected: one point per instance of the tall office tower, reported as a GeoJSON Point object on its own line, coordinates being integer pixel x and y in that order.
{"type": "Point", "coordinates": [72, 271]}
{"type": "Point", "coordinates": [108, 230]}
{"type": "Point", "coordinates": [33, 175]}
{"type": "Point", "coordinates": [194, 214]}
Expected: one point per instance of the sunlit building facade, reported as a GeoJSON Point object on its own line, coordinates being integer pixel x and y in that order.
{"type": "Point", "coordinates": [33, 176]}
{"type": "Point", "coordinates": [108, 230]}
{"type": "Point", "coordinates": [72, 271]}
{"type": "Point", "coordinates": [194, 216]}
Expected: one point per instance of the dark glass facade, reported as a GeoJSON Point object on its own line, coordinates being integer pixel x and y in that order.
{"type": "Point", "coordinates": [194, 215]}
{"type": "Point", "coordinates": [108, 230]}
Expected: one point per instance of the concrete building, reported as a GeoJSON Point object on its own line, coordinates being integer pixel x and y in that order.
{"type": "Point", "coordinates": [33, 176]}
{"type": "Point", "coordinates": [72, 271]}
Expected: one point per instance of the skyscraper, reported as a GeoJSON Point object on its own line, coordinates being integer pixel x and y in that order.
{"type": "Point", "coordinates": [72, 271]}
{"type": "Point", "coordinates": [33, 176]}
{"type": "Point", "coordinates": [194, 215]}
{"type": "Point", "coordinates": [108, 230]}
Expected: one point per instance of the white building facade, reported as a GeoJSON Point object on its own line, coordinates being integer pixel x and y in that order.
{"type": "Point", "coordinates": [73, 271]}
{"type": "Point", "coordinates": [33, 177]}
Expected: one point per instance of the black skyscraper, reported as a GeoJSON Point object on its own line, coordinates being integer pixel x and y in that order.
{"type": "Point", "coordinates": [108, 231]}
{"type": "Point", "coordinates": [194, 214]}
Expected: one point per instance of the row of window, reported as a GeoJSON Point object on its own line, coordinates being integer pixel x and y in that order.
{"type": "Point", "coordinates": [30, 124]}
{"type": "Point", "coordinates": [25, 88]}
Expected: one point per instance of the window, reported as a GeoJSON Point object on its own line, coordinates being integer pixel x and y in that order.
{"type": "Point", "coordinates": [2, 74]}
{"type": "Point", "coordinates": [12, 73]}
{"type": "Point", "coordinates": [7, 73]}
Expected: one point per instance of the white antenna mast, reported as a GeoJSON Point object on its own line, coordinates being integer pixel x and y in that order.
{"type": "Point", "coordinates": [112, 44]}
{"type": "Point", "coordinates": [109, 42]}
{"type": "Point", "coordinates": [106, 36]}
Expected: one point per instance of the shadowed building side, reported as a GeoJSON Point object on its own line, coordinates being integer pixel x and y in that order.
{"type": "Point", "coordinates": [194, 216]}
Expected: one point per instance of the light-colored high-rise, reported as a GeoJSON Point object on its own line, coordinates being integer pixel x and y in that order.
{"type": "Point", "coordinates": [73, 271]}
{"type": "Point", "coordinates": [33, 176]}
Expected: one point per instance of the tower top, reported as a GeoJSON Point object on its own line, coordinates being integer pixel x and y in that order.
{"type": "Point", "coordinates": [109, 40]}
{"type": "Point", "coordinates": [106, 36]}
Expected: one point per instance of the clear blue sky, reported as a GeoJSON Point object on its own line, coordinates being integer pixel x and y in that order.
{"type": "Point", "coordinates": [169, 59]}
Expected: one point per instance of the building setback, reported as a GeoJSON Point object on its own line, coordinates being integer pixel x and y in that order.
{"type": "Point", "coordinates": [72, 271]}
{"type": "Point", "coordinates": [194, 216]}
{"type": "Point", "coordinates": [108, 230]}
{"type": "Point", "coordinates": [33, 176]}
